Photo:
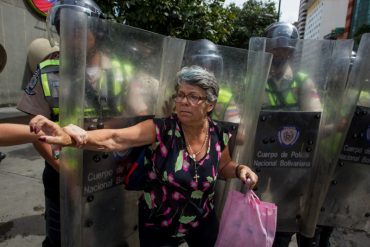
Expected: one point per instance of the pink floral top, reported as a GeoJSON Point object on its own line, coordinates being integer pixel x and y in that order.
{"type": "Point", "coordinates": [175, 200]}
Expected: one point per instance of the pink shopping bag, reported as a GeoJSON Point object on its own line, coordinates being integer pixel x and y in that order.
{"type": "Point", "coordinates": [246, 221]}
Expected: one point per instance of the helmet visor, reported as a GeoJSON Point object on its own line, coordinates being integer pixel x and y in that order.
{"type": "Point", "coordinates": [281, 42]}
{"type": "Point", "coordinates": [53, 19]}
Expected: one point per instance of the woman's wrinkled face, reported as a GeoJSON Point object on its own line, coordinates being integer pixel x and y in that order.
{"type": "Point", "coordinates": [191, 103]}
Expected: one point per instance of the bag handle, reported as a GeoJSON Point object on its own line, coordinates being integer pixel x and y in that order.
{"type": "Point", "coordinates": [252, 197]}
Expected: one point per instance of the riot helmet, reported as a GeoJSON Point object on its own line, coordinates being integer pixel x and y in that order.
{"type": "Point", "coordinates": [38, 50]}
{"type": "Point", "coordinates": [205, 54]}
{"type": "Point", "coordinates": [281, 42]}
{"type": "Point", "coordinates": [53, 18]}
{"type": "Point", "coordinates": [282, 35]}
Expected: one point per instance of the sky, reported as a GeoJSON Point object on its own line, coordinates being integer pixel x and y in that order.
{"type": "Point", "coordinates": [288, 9]}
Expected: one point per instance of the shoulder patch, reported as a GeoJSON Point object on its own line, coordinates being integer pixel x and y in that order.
{"type": "Point", "coordinates": [33, 82]}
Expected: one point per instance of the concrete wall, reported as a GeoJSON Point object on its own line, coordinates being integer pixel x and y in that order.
{"type": "Point", "coordinates": [19, 25]}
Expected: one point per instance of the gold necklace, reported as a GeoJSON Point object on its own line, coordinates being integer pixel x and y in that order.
{"type": "Point", "coordinates": [193, 155]}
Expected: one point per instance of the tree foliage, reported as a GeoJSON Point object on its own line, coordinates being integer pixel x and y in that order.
{"type": "Point", "coordinates": [194, 19]}
{"type": "Point", "coordinates": [251, 21]}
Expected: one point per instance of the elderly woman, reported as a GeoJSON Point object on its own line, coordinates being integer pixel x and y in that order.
{"type": "Point", "coordinates": [189, 152]}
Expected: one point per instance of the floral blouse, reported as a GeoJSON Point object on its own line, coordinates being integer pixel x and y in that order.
{"type": "Point", "coordinates": [175, 200]}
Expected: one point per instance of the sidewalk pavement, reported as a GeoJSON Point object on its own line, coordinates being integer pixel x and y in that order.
{"type": "Point", "coordinates": [21, 197]}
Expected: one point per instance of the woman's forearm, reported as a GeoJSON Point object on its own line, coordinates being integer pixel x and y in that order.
{"type": "Point", "coordinates": [119, 139]}
{"type": "Point", "coordinates": [229, 170]}
{"type": "Point", "coordinates": [100, 140]}
{"type": "Point", "coordinates": [107, 140]}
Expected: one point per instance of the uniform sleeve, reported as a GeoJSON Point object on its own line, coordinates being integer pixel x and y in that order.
{"type": "Point", "coordinates": [33, 100]}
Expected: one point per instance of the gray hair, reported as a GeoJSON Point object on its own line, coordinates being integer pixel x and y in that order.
{"type": "Point", "coordinates": [197, 76]}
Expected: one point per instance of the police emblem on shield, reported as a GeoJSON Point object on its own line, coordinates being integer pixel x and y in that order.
{"type": "Point", "coordinates": [288, 135]}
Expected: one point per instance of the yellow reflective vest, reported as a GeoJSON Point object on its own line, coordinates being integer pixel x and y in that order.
{"type": "Point", "coordinates": [51, 88]}
{"type": "Point", "coordinates": [287, 97]}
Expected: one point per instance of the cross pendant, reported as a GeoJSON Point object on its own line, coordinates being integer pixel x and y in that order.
{"type": "Point", "coordinates": [196, 177]}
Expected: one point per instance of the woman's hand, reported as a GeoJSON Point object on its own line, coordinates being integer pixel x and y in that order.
{"type": "Point", "coordinates": [78, 134]}
{"type": "Point", "coordinates": [247, 176]}
{"type": "Point", "coordinates": [53, 133]}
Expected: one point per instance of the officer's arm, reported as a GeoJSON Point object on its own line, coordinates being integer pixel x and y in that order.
{"type": "Point", "coordinates": [16, 134]}
{"type": "Point", "coordinates": [45, 151]}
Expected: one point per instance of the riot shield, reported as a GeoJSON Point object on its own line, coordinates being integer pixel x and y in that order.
{"type": "Point", "coordinates": [248, 101]}
{"type": "Point", "coordinates": [171, 60]}
{"type": "Point", "coordinates": [347, 201]}
{"type": "Point", "coordinates": [110, 76]}
{"type": "Point", "coordinates": [297, 124]}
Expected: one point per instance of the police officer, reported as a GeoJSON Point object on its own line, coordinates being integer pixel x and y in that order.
{"type": "Point", "coordinates": [285, 85]}
{"type": "Point", "coordinates": [41, 97]}
{"type": "Point", "coordinates": [288, 89]}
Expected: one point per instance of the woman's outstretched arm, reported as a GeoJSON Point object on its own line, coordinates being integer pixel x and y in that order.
{"type": "Point", "coordinates": [140, 134]}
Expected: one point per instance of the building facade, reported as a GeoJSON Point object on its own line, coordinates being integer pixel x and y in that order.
{"type": "Point", "coordinates": [323, 16]}
{"type": "Point", "coordinates": [302, 18]}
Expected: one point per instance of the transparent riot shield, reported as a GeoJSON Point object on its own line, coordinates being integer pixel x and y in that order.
{"type": "Point", "coordinates": [248, 102]}
{"type": "Point", "coordinates": [110, 76]}
{"type": "Point", "coordinates": [171, 64]}
{"type": "Point", "coordinates": [297, 124]}
{"type": "Point", "coordinates": [347, 200]}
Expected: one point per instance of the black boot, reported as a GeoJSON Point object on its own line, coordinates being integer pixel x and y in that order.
{"type": "Point", "coordinates": [2, 156]}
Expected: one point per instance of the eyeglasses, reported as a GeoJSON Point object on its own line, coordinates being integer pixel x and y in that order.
{"type": "Point", "coordinates": [193, 99]}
